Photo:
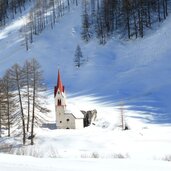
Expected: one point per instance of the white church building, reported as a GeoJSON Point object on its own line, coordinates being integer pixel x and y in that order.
{"type": "Point", "coordinates": [67, 116]}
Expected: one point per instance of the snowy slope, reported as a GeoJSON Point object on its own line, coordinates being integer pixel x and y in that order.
{"type": "Point", "coordinates": [134, 72]}
{"type": "Point", "coordinates": [102, 146]}
{"type": "Point", "coordinates": [104, 140]}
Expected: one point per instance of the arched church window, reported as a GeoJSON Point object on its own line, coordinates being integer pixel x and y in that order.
{"type": "Point", "coordinates": [67, 120]}
{"type": "Point", "coordinates": [59, 102]}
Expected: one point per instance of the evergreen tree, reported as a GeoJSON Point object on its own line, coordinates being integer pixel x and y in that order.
{"type": "Point", "coordinates": [86, 33]}
{"type": "Point", "coordinates": [129, 18]}
{"type": "Point", "coordinates": [78, 57]}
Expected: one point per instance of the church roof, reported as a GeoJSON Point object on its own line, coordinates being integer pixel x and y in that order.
{"type": "Point", "coordinates": [59, 85]}
{"type": "Point", "coordinates": [72, 109]}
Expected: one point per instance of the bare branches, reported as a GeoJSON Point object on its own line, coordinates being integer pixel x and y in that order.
{"type": "Point", "coordinates": [21, 98]}
{"type": "Point", "coordinates": [43, 14]}
{"type": "Point", "coordinates": [129, 18]}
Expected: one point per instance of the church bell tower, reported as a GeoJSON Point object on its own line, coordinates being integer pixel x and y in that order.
{"type": "Point", "coordinates": [60, 102]}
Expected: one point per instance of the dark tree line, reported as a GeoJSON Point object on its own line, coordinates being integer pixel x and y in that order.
{"type": "Point", "coordinates": [21, 99]}
{"type": "Point", "coordinates": [43, 14]}
{"type": "Point", "coordinates": [129, 18]}
{"type": "Point", "coordinates": [9, 8]}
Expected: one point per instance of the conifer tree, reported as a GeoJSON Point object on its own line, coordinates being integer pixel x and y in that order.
{"type": "Point", "coordinates": [86, 34]}
{"type": "Point", "coordinates": [78, 57]}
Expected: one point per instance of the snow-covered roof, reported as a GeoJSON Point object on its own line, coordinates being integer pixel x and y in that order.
{"type": "Point", "coordinates": [72, 109]}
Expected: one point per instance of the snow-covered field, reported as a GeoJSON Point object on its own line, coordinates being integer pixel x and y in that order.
{"type": "Point", "coordinates": [134, 73]}
{"type": "Point", "coordinates": [102, 146]}
{"type": "Point", "coordinates": [18, 163]}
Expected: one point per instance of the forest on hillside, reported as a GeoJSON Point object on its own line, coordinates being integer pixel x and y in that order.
{"type": "Point", "coordinates": [129, 18]}
{"type": "Point", "coordinates": [9, 8]}
{"type": "Point", "coordinates": [101, 19]}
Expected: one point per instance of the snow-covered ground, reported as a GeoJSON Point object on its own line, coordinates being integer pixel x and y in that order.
{"type": "Point", "coordinates": [99, 147]}
{"type": "Point", "coordinates": [134, 73]}
{"type": "Point", "coordinates": [18, 163]}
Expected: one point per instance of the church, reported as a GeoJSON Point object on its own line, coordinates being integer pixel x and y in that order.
{"type": "Point", "coordinates": [67, 115]}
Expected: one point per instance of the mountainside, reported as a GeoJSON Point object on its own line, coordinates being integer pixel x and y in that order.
{"type": "Point", "coordinates": [134, 72]}
{"type": "Point", "coordinates": [129, 78]}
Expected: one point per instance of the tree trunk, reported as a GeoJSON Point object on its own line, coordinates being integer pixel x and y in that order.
{"type": "Point", "coordinates": [33, 110]}
{"type": "Point", "coordinates": [158, 10]}
{"type": "Point", "coordinates": [8, 113]}
{"type": "Point", "coordinates": [28, 97]}
{"type": "Point", "coordinates": [0, 120]}
{"type": "Point", "coordinates": [21, 106]}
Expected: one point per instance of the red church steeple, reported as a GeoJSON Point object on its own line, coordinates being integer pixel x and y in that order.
{"type": "Point", "coordinates": [59, 86]}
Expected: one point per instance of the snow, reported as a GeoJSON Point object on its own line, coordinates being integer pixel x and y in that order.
{"type": "Point", "coordinates": [134, 74]}
{"type": "Point", "coordinates": [72, 108]}
{"type": "Point", "coordinates": [104, 140]}
{"type": "Point", "coordinates": [18, 163]}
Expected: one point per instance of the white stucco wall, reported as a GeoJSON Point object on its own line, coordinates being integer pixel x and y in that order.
{"type": "Point", "coordinates": [64, 118]}
{"type": "Point", "coordinates": [60, 96]}
{"type": "Point", "coordinates": [68, 121]}
{"type": "Point", "coordinates": [79, 124]}
{"type": "Point", "coordinates": [59, 116]}
{"type": "Point", "coordinates": [60, 110]}
{"type": "Point", "coordinates": [69, 124]}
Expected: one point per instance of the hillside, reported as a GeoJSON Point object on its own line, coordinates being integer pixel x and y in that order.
{"type": "Point", "coordinates": [133, 72]}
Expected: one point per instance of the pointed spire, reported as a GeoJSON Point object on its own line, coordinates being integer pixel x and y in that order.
{"type": "Point", "coordinates": [59, 84]}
